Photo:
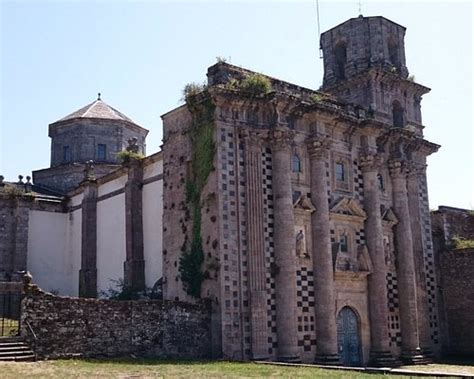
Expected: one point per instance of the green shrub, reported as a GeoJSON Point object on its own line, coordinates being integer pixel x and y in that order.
{"type": "Point", "coordinates": [256, 84]}
{"type": "Point", "coordinates": [462, 243]}
{"type": "Point", "coordinates": [192, 89]}
{"type": "Point", "coordinates": [126, 156]}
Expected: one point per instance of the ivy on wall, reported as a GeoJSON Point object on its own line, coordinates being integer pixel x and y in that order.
{"type": "Point", "coordinates": [203, 151]}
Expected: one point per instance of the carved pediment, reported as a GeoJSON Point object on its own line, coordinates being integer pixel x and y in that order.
{"type": "Point", "coordinates": [389, 217]}
{"type": "Point", "coordinates": [348, 209]}
{"type": "Point", "coordinates": [303, 203]}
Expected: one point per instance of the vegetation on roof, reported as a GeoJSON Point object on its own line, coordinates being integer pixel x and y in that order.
{"type": "Point", "coordinates": [256, 84]}
{"type": "Point", "coordinates": [462, 243]}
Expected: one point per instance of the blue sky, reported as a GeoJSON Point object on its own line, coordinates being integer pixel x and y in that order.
{"type": "Point", "coordinates": [56, 56]}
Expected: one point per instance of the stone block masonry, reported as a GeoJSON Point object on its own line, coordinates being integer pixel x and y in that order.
{"type": "Point", "coordinates": [68, 327]}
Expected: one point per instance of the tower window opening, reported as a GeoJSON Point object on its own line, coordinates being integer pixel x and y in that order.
{"type": "Point", "coordinates": [101, 152]}
{"type": "Point", "coordinates": [394, 54]}
{"type": "Point", "coordinates": [340, 53]}
{"type": "Point", "coordinates": [66, 154]}
{"type": "Point", "coordinates": [397, 112]}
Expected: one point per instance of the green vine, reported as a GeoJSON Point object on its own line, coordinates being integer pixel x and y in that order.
{"type": "Point", "coordinates": [203, 147]}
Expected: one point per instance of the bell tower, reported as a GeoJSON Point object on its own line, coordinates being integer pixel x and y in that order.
{"type": "Point", "coordinates": [365, 64]}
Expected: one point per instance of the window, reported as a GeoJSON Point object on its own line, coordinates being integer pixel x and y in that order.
{"type": "Point", "coordinates": [397, 112]}
{"type": "Point", "coordinates": [340, 52]}
{"type": "Point", "coordinates": [66, 154]}
{"type": "Point", "coordinates": [101, 152]}
{"type": "Point", "coordinates": [380, 182]}
{"type": "Point", "coordinates": [343, 245]}
{"type": "Point", "coordinates": [296, 163]}
{"type": "Point", "coordinates": [340, 172]}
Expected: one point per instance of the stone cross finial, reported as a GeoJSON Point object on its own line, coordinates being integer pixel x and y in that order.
{"type": "Point", "coordinates": [89, 171]}
{"type": "Point", "coordinates": [133, 145]}
{"type": "Point", "coordinates": [98, 96]}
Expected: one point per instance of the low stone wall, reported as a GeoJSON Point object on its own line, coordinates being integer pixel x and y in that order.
{"type": "Point", "coordinates": [67, 327]}
{"type": "Point", "coordinates": [457, 268]}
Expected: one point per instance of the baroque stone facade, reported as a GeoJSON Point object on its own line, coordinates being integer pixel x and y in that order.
{"type": "Point", "coordinates": [315, 213]}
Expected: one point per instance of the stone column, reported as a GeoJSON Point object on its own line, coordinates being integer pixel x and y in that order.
{"type": "Point", "coordinates": [284, 247]}
{"type": "Point", "coordinates": [323, 265]}
{"type": "Point", "coordinates": [134, 265]}
{"type": "Point", "coordinates": [88, 271]}
{"type": "Point", "coordinates": [256, 245]}
{"type": "Point", "coordinates": [411, 352]}
{"type": "Point", "coordinates": [413, 185]}
{"type": "Point", "coordinates": [380, 354]}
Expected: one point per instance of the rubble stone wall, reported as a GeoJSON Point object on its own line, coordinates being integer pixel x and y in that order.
{"type": "Point", "coordinates": [69, 327]}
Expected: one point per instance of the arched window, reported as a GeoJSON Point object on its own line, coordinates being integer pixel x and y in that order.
{"type": "Point", "coordinates": [340, 53]}
{"type": "Point", "coordinates": [296, 163]}
{"type": "Point", "coordinates": [397, 112]}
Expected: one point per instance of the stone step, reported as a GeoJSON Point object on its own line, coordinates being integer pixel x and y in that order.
{"type": "Point", "coordinates": [23, 358]}
{"type": "Point", "coordinates": [15, 353]}
{"type": "Point", "coordinates": [14, 348]}
{"type": "Point", "coordinates": [11, 339]}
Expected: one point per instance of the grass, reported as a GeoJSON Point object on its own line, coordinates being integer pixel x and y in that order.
{"type": "Point", "coordinates": [152, 368]}
{"type": "Point", "coordinates": [8, 327]}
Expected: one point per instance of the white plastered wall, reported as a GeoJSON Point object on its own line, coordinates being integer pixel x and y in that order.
{"type": "Point", "coordinates": [153, 231]}
{"type": "Point", "coordinates": [111, 241]}
{"type": "Point", "coordinates": [74, 249]}
{"type": "Point", "coordinates": [49, 258]}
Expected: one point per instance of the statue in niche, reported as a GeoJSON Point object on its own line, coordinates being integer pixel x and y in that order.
{"type": "Point", "coordinates": [301, 250]}
{"type": "Point", "coordinates": [89, 171]}
{"type": "Point", "coordinates": [363, 259]}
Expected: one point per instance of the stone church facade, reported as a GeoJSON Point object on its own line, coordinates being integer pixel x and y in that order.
{"type": "Point", "coordinates": [315, 223]}
{"type": "Point", "coordinates": [302, 215]}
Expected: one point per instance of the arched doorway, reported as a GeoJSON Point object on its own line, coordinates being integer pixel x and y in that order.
{"type": "Point", "coordinates": [348, 337]}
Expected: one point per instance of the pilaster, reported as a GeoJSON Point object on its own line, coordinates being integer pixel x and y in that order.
{"type": "Point", "coordinates": [134, 265]}
{"type": "Point", "coordinates": [256, 244]}
{"type": "Point", "coordinates": [88, 271]}
{"type": "Point", "coordinates": [284, 246]}
{"type": "Point", "coordinates": [323, 266]}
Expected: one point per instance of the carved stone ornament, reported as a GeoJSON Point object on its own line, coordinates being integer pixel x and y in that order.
{"type": "Point", "coordinates": [318, 146]}
{"type": "Point", "coordinates": [281, 138]}
{"type": "Point", "coordinates": [389, 218]}
{"type": "Point", "coordinates": [89, 171]}
{"type": "Point", "coordinates": [303, 203]}
{"type": "Point", "coordinates": [397, 168]}
{"type": "Point", "coordinates": [133, 145]}
{"type": "Point", "coordinates": [347, 209]}
{"type": "Point", "coordinates": [370, 161]}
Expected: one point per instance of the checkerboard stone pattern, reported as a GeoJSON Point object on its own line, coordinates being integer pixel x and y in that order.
{"type": "Point", "coordinates": [358, 183]}
{"type": "Point", "coordinates": [269, 249]}
{"type": "Point", "coordinates": [233, 295]}
{"type": "Point", "coordinates": [394, 331]}
{"type": "Point", "coordinates": [305, 304]}
{"type": "Point", "coordinates": [429, 261]}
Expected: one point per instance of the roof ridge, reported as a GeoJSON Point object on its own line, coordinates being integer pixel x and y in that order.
{"type": "Point", "coordinates": [88, 109]}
